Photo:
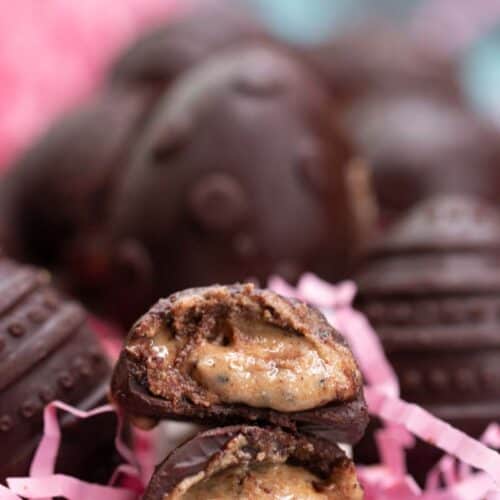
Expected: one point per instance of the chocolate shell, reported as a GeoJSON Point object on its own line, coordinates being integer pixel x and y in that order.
{"type": "Point", "coordinates": [241, 173]}
{"type": "Point", "coordinates": [431, 289]}
{"type": "Point", "coordinates": [48, 353]}
{"type": "Point", "coordinates": [217, 450]}
{"type": "Point", "coordinates": [421, 146]}
{"type": "Point", "coordinates": [161, 55]}
{"type": "Point", "coordinates": [158, 379]}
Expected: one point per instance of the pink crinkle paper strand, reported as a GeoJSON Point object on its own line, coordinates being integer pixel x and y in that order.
{"type": "Point", "coordinates": [111, 338]}
{"type": "Point", "coordinates": [469, 471]}
{"type": "Point", "coordinates": [44, 483]}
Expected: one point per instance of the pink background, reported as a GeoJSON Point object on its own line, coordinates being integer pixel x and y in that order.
{"type": "Point", "coordinates": [54, 52]}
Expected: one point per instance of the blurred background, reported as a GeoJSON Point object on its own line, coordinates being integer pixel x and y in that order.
{"type": "Point", "coordinates": [53, 53]}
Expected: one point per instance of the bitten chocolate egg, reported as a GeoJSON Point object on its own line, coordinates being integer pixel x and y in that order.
{"type": "Point", "coordinates": [420, 146]}
{"type": "Point", "coordinates": [161, 55]}
{"type": "Point", "coordinates": [431, 289]}
{"type": "Point", "coordinates": [227, 354]}
{"type": "Point", "coordinates": [48, 353]}
{"type": "Point", "coordinates": [241, 173]}
{"type": "Point", "coordinates": [60, 186]}
{"type": "Point", "coordinates": [379, 58]}
{"type": "Point", "coordinates": [248, 462]}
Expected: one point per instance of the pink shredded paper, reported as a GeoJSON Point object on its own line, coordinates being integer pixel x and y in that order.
{"type": "Point", "coordinates": [43, 482]}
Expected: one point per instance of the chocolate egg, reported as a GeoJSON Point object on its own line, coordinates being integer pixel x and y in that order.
{"type": "Point", "coordinates": [61, 184]}
{"type": "Point", "coordinates": [431, 289]}
{"type": "Point", "coordinates": [379, 58]}
{"type": "Point", "coordinates": [420, 146]}
{"type": "Point", "coordinates": [226, 354]}
{"type": "Point", "coordinates": [241, 173]}
{"type": "Point", "coordinates": [48, 353]}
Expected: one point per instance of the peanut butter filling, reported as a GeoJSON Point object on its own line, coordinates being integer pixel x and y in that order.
{"type": "Point", "coordinates": [271, 482]}
{"type": "Point", "coordinates": [268, 367]}
{"type": "Point", "coordinates": [245, 360]}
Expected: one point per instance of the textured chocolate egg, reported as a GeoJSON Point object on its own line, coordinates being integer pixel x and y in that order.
{"type": "Point", "coordinates": [431, 288]}
{"type": "Point", "coordinates": [241, 173]}
{"type": "Point", "coordinates": [46, 353]}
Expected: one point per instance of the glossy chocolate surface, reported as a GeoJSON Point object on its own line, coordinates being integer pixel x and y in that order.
{"type": "Point", "coordinates": [242, 173]}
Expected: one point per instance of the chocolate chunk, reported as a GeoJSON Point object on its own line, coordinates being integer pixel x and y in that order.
{"type": "Point", "coordinates": [441, 260]}
{"type": "Point", "coordinates": [274, 356]}
{"type": "Point", "coordinates": [161, 55]}
{"type": "Point", "coordinates": [245, 461]}
{"type": "Point", "coordinates": [36, 368]}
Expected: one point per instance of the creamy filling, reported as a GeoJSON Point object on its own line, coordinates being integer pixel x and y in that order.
{"type": "Point", "coordinates": [260, 365]}
{"type": "Point", "coordinates": [265, 366]}
{"type": "Point", "coordinates": [267, 481]}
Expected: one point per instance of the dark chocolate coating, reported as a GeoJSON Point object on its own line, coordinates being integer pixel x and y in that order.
{"type": "Point", "coordinates": [317, 455]}
{"type": "Point", "coordinates": [161, 55]}
{"type": "Point", "coordinates": [379, 58]}
{"type": "Point", "coordinates": [60, 186]}
{"type": "Point", "coordinates": [431, 288]}
{"type": "Point", "coordinates": [241, 173]}
{"type": "Point", "coordinates": [420, 146]}
{"type": "Point", "coordinates": [47, 353]}
{"type": "Point", "coordinates": [338, 421]}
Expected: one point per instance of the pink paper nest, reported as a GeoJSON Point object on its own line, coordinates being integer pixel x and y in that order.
{"type": "Point", "coordinates": [469, 471]}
